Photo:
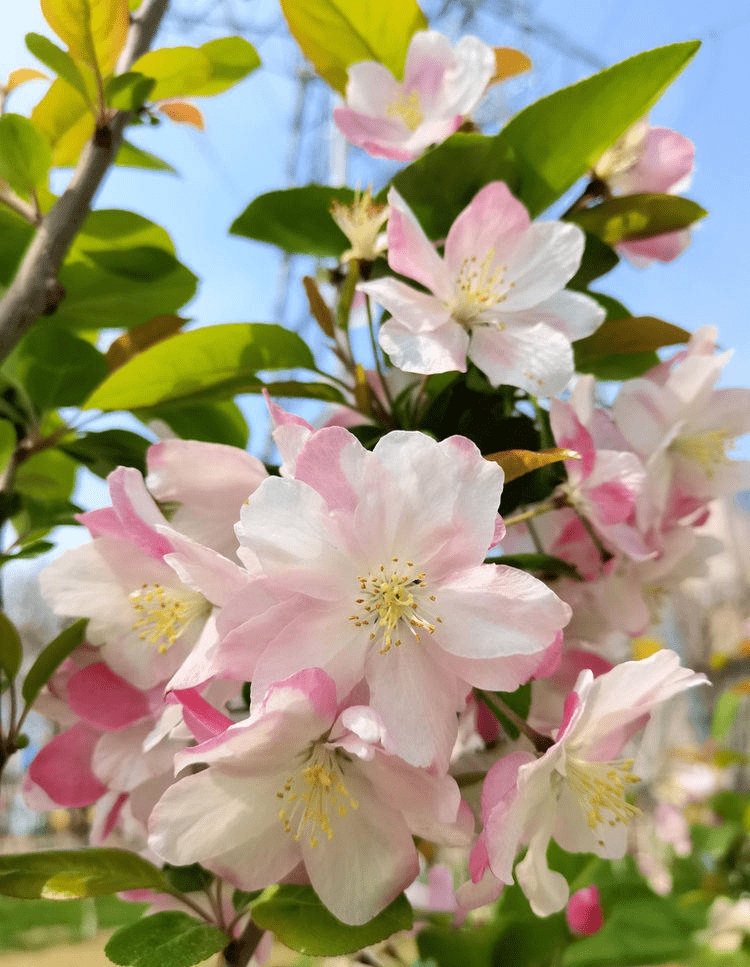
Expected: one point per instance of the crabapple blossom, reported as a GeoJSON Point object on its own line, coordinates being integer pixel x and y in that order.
{"type": "Point", "coordinates": [372, 569]}
{"type": "Point", "coordinates": [647, 159]}
{"type": "Point", "coordinates": [143, 618]}
{"type": "Point", "coordinates": [497, 297]}
{"type": "Point", "coordinates": [303, 782]}
{"type": "Point", "coordinates": [682, 428]}
{"type": "Point", "coordinates": [400, 119]}
{"type": "Point", "coordinates": [576, 791]}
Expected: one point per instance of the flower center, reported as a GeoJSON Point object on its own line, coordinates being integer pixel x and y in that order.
{"type": "Point", "coordinates": [313, 794]}
{"type": "Point", "coordinates": [478, 287]}
{"type": "Point", "coordinates": [408, 107]}
{"type": "Point", "coordinates": [602, 786]}
{"type": "Point", "coordinates": [361, 222]}
{"type": "Point", "coordinates": [394, 602]}
{"type": "Point", "coordinates": [166, 613]}
{"type": "Point", "coordinates": [707, 449]}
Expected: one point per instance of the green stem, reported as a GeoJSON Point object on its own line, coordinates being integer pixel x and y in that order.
{"type": "Point", "coordinates": [534, 512]}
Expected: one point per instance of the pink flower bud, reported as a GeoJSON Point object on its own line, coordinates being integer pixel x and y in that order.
{"type": "Point", "coordinates": [584, 912]}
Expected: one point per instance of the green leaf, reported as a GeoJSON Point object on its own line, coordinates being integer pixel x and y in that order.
{"type": "Point", "coordinates": [106, 450]}
{"type": "Point", "coordinates": [69, 874]}
{"type": "Point", "coordinates": [131, 156]}
{"type": "Point", "coordinates": [177, 71]}
{"type": "Point", "coordinates": [560, 137]}
{"type": "Point", "coordinates": [334, 34]}
{"type": "Point", "coordinates": [48, 475]}
{"type": "Point", "coordinates": [129, 91]}
{"type": "Point", "coordinates": [216, 362]}
{"type": "Point", "coordinates": [122, 294]}
{"type": "Point", "coordinates": [298, 220]}
{"type": "Point", "coordinates": [187, 879]}
{"type": "Point", "coordinates": [519, 701]}
{"type": "Point", "coordinates": [34, 549]}
{"type": "Point", "coordinates": [540, 563]}
{"type": "Point", "coordinates": [50, 659]}
{"type": "Point", "coordinates": [632, 334]}
{"type": "Point", "coordinates": [55, 367]}
{"type": "Point", "coordinates": [638, 216]}
{"type": "Point", "coordinates": [58, 60]}
{"type": "Point", "coordinates": [15, 235]}
{"type": "Point", "coordinates": [598, 259]}
{"type": "Point", "coordinates": [464, 947]}
{"type": "Point", "coordinates": [231, 59]}
{"type": "Point", "coordinates": [168, 939]}
{"type": "Point", "coordinates": [25, 154]}
{"type": "Point", "coordinates": [725, 712]}
{"type": "Point", "coordinates": [463, 164]}
{"type": "Point", "coordinates": [297, 917]}
{"type": "Point", "coordinates": [219, 422]}
{"type": "Point", "coordinates": [291, 389]}
{"type": "Point", "coordinates": [8, 440]}
{"type": "Point", "coordinates": [11, 651]}
{"type": "Point", "coordinates": [107, 229]}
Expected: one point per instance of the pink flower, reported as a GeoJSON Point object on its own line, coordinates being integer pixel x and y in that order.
{"type": "Point", "coordinates": [142, 616]}
{"type": "Point", "coordinates": [682, 428]}
{"type": "Point", "coordinates": [576, 791]}
{"type": "Point", "coordinates": [373, 570]}
{"type": "Point", "coordinates": [303, 782]}
{"type": "Point", "coordinates": [209, 482]}
{"type": "Point", "coordinates": [645, 160]}
{"type": "Point", "coordinates": [399, 120]}
{"type": "Point", "coordinates": [497, 297]}
{"type": "Point", "coordinates": [584, 912]}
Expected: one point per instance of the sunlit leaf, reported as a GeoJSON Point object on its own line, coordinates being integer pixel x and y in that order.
{"type": "Point", "coordinates": [131, 156]}
{"type": "Point", "coordinates": [638, 216]}
{"type": "Point", "coordinates": [517, 463]}
{"type": "Point", "coordinates": [94, 30]}
{"type": "Point", "coordinates": [21, 75]}
{"type": "Point", "coordinates": [25, 155]}
{"type": "Point", "coordinates": [69, 874]}
{"type": "Point", "coordinates": [63, 117]}
{"type": "Point", "coordinates": [182, 113]}
{"type": "Point", "coordinates": [129, 91]}
{"type": "Point", "coordinates": [231, 58]}
{"type": "Point", "coordinates": [204, 364]}
{"type": "Point", "coordinates": [509, 62]}
{"type": "Point", "coordinates": [176, 70]}
{"type": "Point", "coordinates": [57, 60]}
{"type": "Point", "coordinates": [334, 34]}
{"type": "Point", "coordinates": [560, 137]}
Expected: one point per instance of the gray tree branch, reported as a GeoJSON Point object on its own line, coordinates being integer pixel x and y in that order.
{"type": "Point", "coordinates": [35, 290]}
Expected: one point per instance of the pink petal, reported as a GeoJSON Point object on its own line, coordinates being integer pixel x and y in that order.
{"type": "Point", "coordinates": [535, 358]}
{"type": "Point", "coordinates": [659, 248]}
{"type": "Point", "coordinates": [319, 465]}
{"type": "Point", "coordinates": [203, 720]}
{"type": "Point", "coordinates": [63, 768]}
{"type": "Point", "coordinates": [102, 523]}
{"type": "Point", "coordinates": [137, 511]}
{"type": "Point", "coordinates": [494, 219]}
{"type": "Point", "coordinates": [410, 252]}
{"type": "Point", "coordinates": [441, 351]}
{"type": "Point", "coordinates": [105, 700]}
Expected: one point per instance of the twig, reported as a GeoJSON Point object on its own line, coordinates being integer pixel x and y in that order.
{"type": "Point", "coordinates": [20, 207]}
{"type": "Point", "coordinates": [35, 290]}
{"type": "Point", "coordinates": [239, 951]}
{"type": "Point", "coordinates": [500, 710]}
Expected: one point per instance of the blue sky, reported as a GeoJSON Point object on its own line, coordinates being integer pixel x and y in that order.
{"type": "Point", "coordinates": [244, 151]}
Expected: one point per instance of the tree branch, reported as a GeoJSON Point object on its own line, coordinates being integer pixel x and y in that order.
{"type": "Point", "coordinates": [20, 207]}
{"type": "Point", "coordinates": [35, 290]}
{"type": "Point", "coordinates": [239, 951]}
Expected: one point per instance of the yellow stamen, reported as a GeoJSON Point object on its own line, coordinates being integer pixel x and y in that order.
{"type": "Point", "coordinates": [408, 107]}
{"type": "Point", "coordinates": [165, 614]}
{"type": "Point", "coordinates": [397, 597]}
{"type": "Point", "coordinates": [317, 789]}
{"type": "Point", "coordinates": [601, 786]}
{"type": "Point", "coordinates": [708, 449]}
{"type": "Point", "coordinates": [479, 286]}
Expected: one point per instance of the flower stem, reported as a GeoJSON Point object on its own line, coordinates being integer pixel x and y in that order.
{"type": "Point", "coordinates": [534, 512]}
{"type": "Point", "coordinates": [502, 711]}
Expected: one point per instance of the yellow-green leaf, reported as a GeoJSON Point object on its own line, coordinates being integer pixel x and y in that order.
{"type": "Point", "coordinates": [334, 34]}
{"type": "Point", "coordinates": [64, 119]}
{"type": "Point", "coordinates": [517, 463]}
{"type": "Point", "coordinates": [94, 30]}
{"type": "Point", "coordinates": [178, 71]}
{"type": "Point", "coordinates": [25, 155]}
{"type": "Point", "coordinates": [11, 651]}
{"type": "Point", "coordinates": [232, 58]}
